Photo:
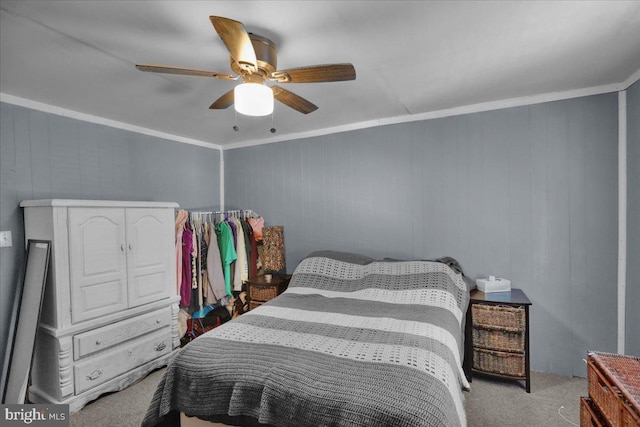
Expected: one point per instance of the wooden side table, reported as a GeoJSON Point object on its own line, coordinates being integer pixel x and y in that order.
{"type": "Point", "coordinates": [499, 324]}
{"type": "Point", "coordinates": [259, 290]}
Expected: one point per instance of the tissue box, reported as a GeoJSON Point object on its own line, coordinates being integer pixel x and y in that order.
{"type": "Point", "coordinates": [495, 285]}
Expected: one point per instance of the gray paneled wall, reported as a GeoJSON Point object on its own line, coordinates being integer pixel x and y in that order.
{"type": "Point", "coordinates": [46, 156]}
{"type": "Point", "coordinates": [633, 220]}
{"type": "Point", "coordinates": [527, 193]}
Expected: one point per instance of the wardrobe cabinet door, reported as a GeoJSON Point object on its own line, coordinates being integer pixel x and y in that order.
{"type": "Point", "coordinates": [97, 260]}
{"type": "Point", "coordinates": [150, 237]}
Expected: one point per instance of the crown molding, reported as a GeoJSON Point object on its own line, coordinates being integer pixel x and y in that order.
{"type": "Point", "coordinates": [631, 80]}
{"type": "Point", "coordinates": [59, 111]}
{"type": "Point", "coordinates": [455, 111]}
{"type": "Point", "coordinates": [448, 112]}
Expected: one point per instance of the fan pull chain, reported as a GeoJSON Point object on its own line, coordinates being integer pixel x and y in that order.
{"type": "Point", "coordinates": [235, 127]}
{"type": "Point", "coordinates": [273, 129]}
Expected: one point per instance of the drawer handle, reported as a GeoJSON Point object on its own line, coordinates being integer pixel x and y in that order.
{"type": "Point", "coordinates": [94, 375]}
{"type": "Point", "coordinates": [161, 346]}
{"type": "Point", "coordinates": [130, 246]}
{"type": "Point", "coordinates": [158, 320]}
{"type": "Point", "coordinates": [122, 247]}
{"type": "Point", "coordinates": [98, 342]}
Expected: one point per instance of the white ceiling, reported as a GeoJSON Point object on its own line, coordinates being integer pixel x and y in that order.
{"type": "Point", "coordinates": [411, 57]}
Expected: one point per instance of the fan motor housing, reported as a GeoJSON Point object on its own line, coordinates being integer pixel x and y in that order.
{"type": "Point", "coordinates": [266, 54]}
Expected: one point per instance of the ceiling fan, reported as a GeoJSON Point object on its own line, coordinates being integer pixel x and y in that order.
{"type": "Point", "coordinates": [254, 59]}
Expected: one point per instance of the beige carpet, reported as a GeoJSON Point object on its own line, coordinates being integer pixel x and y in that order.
{"type": "Point", "coordinates": [499, 403]}
{"type": "Point", "coordinates": [489, 403]}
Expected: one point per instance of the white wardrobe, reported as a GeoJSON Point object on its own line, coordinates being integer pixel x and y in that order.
{"type": "Point", "coordinates": [110, 308]}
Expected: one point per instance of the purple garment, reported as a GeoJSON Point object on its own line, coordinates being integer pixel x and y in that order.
{"type": "Point", "coordinates": [234, 232]}
{"type": "Point", "coordinates": [187, 248]}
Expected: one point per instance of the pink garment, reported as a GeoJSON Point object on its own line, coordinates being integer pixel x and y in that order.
{"type": "Point", "coordinates": [257, 224]}
{"type": "Point", "coordinates": [181, 218]}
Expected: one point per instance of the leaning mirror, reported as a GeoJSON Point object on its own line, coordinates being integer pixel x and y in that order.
{"type": "Point", "coordinates": [26, 316]}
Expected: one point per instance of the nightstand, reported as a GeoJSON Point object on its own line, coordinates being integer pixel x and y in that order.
{"type": "Point", "coordinates": [259, 290]}
{"type": "Point", "coordinates": [500, 335]}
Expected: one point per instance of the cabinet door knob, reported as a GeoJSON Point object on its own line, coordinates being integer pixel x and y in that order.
{"type": "Point", "coordinates": [122, 247]}
{"type": "Point", "coordinates": [130, 246]}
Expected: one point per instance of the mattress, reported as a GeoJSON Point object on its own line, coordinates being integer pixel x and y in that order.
{"type": "Point", "coordinates": [351, 342]}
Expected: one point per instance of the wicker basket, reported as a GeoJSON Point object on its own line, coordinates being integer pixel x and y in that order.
{"type": "Point", "coordinates": [630, 418]}
{"type": "Point", "coordinates": [262, 292]}
{"type": "Point", "coordinates": [589, 415]}
{"type": "Point", "coordinates": [509, 319]}
{"type": "Point", "coordinates": [498, 339]}
{"type": "Point", "coordinates": [614, 387]}
{"type": "Point", "coordinates": [603, 394]}
{"type": "Point", "coordinates": [499, 362]}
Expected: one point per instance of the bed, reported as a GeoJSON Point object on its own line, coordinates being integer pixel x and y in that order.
{"type": "Point", "coordinates": [351, 342]}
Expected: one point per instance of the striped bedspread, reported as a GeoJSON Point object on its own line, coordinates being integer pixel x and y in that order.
{"type": "Point", "coordinates": [351, 342]}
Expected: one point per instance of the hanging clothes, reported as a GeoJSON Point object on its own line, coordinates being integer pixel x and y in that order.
{"type": "Point", "coordinates": [241, 268]}
{"type": "Point", "coordinates": [214, 257]}
{"type": "Point", "coordinates": [194, 259]}
{"type": "Point", "coordinates": [253, 255]}
{"type": "Point", "coordinates": [257, 224]}
{"type": "Point", "coordinates": [187, 247]}
{"type": "Point", "coordinates": [255, 265]}
{"type": "Point", "coordinates": [215, 274]}
{"type": "Point", "coordinates": [181, 219]}
{"type": "Point", "coordinates": [232, 267]}
{"type": "Point", "coordinates": [227, 252]}
{"type": "Point", "coordinates": [202, 266]}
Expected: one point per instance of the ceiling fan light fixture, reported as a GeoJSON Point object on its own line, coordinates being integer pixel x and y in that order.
{"type": "Point", "coordinates": [253, 99]}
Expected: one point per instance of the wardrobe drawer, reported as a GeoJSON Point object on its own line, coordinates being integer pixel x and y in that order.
{"type": "Point", "coordinates": [108, 336]}
{"type": "Point", "coordinates": [102, 368]}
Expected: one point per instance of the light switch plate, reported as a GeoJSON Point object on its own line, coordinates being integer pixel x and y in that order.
{"type": "Point", "coordinates": [5, 239]}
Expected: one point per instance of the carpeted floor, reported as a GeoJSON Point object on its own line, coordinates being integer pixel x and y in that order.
{"type": "Point", "coordinates": [554, 401]}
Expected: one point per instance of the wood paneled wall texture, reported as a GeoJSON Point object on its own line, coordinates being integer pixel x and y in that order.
{"type": "Point", "coordinates": [46, 156]}
{"type": "Point", "coordinates": [526, 193]}
{"type": "Point", "coordinates": [633, 221]}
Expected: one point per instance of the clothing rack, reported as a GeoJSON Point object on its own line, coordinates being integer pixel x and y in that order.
{"type": "Point", "coordinates": [232, 260]}
{"type": "Point", "coordinates": [237, 213]}
{"type": "Point", "coordinates": [217, 216]}
{"type": "Point", "coordinates": [216, 252]}
{"type": "Point", "coordinates": [201, 216]}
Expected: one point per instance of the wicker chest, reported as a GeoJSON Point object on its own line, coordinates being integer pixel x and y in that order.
{"type": "Point", "coordinates": [260, 290]}
{"type": "Point", "coordinates": [614, 391]}
{"type": "Point", "coordinates": [500, 334]}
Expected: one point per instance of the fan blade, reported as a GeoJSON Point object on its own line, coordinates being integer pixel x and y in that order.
{"type": "Point", "coordinates": [315, 74]}
{"type": "Point", "coordinates": [294, 101]}
{"type": "Point", "coordinates": [237, 40]}
{"type": "Point", "coordinates": [223, 102]}
{"type": "Point", "coordinates": [184, 71]}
